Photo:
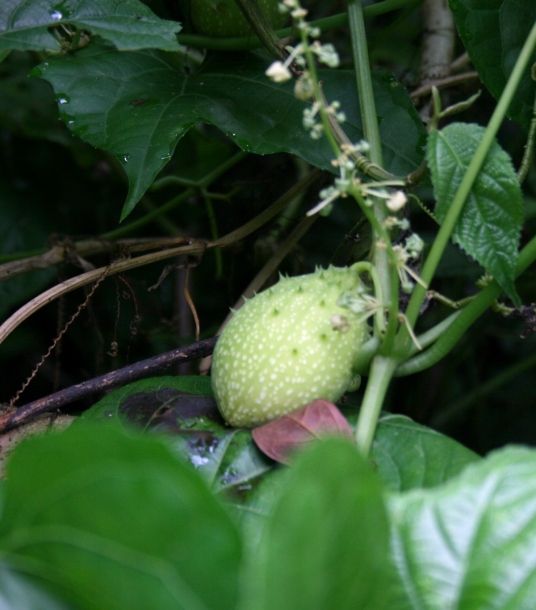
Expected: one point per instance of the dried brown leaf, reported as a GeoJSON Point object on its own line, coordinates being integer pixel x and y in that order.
{"type": "Point", "coordinates": [278, 439]}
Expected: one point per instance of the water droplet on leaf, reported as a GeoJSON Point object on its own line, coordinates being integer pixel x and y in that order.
{"type": "Point", "coordinates": [198, 460]}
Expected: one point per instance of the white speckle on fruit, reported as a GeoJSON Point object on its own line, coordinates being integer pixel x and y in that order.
{"type": "Point", "coordinates": [268, 364]}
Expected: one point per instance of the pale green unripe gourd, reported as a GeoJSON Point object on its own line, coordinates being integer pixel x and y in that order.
{"type": "Point", "coordinates": [288, 346]}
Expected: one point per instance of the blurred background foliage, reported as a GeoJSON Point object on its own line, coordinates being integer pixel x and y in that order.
{"type": "Point", "coordinates": [56, 189]}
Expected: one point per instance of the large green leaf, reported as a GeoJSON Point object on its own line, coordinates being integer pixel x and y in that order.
{"type": "Point", "coordinates": [325, 544]}
{"type": "Point", "coordinates": [489, 227]}
{"type": "Point", "coordinates": [470, 543]}
{"type": "Point", "coordinates": [128, 24]}
{"type": "Point", "coordinates": [138, 105]}
{"type": "Point", "coordinates": [409, 456]}
{"type": "Point", "coordinates": [493, 32]}
{"type": "Point", "coordinates": [114, 522]}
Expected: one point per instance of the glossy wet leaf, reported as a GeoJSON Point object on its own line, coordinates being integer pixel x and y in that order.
{"type": "Point", "coordinates": [469, 543]}
{"type": "Point", "coordinates": [139, 105]}
{"type": "Point", "coordinates": [493, 33]}
{"type": "Point", "coordinates": [279, 438]}
{"type": "Point", "coordinates": [408, 456]}
{"type": "Point", "coordinates": [325, 543]}
{"type": "Point", "coordinates": [26, 24]}
{"type": "Point", "coordinates": [113, 521]}
{"type": "Point", "coordinates": [489, 227]}
{"type": "Point", "coordinates": [184, 409]}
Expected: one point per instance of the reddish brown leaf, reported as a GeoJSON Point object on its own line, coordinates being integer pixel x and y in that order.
{"type": "Point", "coordinates": [278, 439]}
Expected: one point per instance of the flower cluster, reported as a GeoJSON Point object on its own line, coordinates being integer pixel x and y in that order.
{"type": "Point", "coordinates": [411, 250]}
{"type": "Point", "coordinates": [296, 65]}
{"type": "Point", "coordinates": [321, 118]}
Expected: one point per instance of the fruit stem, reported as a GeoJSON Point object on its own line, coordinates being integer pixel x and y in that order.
{"type": "Point", "coordinates": [381, 372]}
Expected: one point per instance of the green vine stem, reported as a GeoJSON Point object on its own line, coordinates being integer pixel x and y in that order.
{"type": "Point", "coordinates": [364, 81]}
{"type": "Point", "coordinates": [383, 366]}
{"type": "Point", "coordinates": [371, 131]}
{"type": "Point", "coordinates": [381, 371]}
{"type": "Point", "coordinates": [213, 232]}
{"type": "Point", "coordinates": [389, 268]}
{"type": "Point", "coordinates": [366, 267]}
{"type": "Point", "coordinates": [467, 316]}
{"type": "Point", "coordinates": [464, 189]}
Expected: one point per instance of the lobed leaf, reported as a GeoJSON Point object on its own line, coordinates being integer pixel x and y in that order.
{"type": "Point", "coordinates": [25, 24]}
{"type": "Point", "coordinates": [489, 226]}
{"type": "Point", "coordinates": [139, 105]}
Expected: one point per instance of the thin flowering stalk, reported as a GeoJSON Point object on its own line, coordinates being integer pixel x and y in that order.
{"type": "Point", "coordinates": [385, 242]}
{"type": "Point", "coordinates": [313, 76]}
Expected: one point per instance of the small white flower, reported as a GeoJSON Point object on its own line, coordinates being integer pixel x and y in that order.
{"type": "Point", "coordinates": [299, 13]}
{"type": "Point", "coordinates": [326, 54]}
{"type": "Point", "coordinates": [414, 245]}
{"type": "Point", "coordinates": [328, 196]}
{"type": "Point", "coordinates": [278, 72]}
{"type": "Point", "coordinates": [303, 89]}
{"type": "Point", "coordinates": [397, 201]}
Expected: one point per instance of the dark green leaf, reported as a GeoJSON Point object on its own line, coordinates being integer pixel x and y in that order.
{"type": "Point", "coordinates": [128, 24]}
{"type": "Point", "coordinates": [185, 410]}
{"type": "Point", "coordinates": [138, 106]}
{"type": "Point", "coordinates": [118, 522]}
{"type": "Point", "coordinates": [493, 32]}
{"type": "Point", "coordinates": [470, 543]}
{"type": "Point", "coordinates": [489, 226]}
{"type": "Point", "coordinates": [409, 456]}
{"type": "Point", "coordinates": [325, 544]}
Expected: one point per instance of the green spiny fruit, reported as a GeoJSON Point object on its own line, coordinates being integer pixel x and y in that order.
{"type": "Point", "coordinates": [288, 346]}
{"type": "Point", "coordinates": [223, 18]}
